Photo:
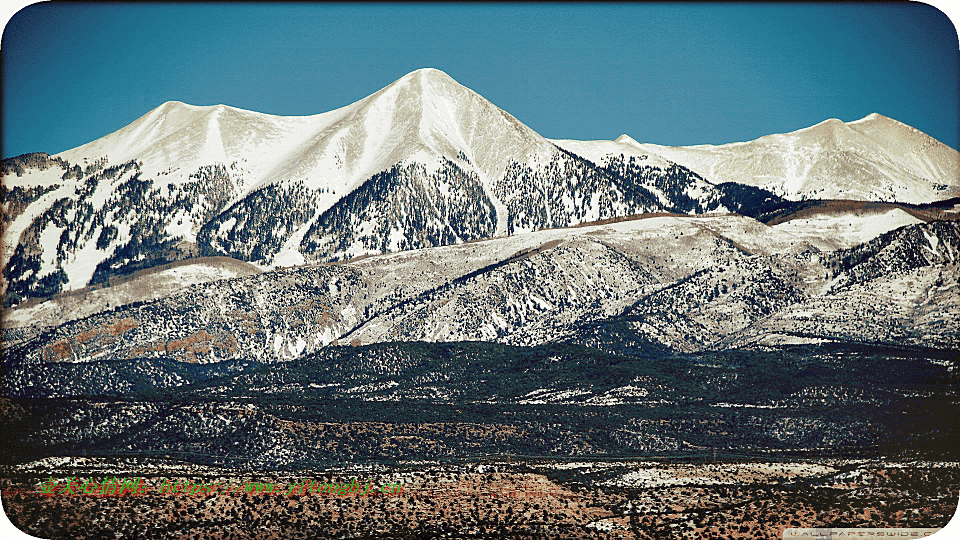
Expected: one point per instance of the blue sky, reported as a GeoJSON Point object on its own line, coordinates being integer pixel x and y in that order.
{"type": "Point", "coordinates": [674, 74]}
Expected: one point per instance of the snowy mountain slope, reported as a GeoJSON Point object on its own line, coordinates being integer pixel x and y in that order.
{"type": "Point", "coordinates": [584, 275]}
{"type": "Point", "coordinates": [423, 162]}
{"type": "Point", "coordinates": [836, 230]}
{"type": "Point", "coordinates": [914, 150]}
{"type": "Point", "coordinates": [35, 189]}
{"type": "Point", "coordinates": [897, 289]}
{"type": "Point", "coordinates": [519, 302]}
{"type": "Point", "coordinates": [599, 152]}
{"type": "Point", "coordinates": [142, 286]}
{"type": "Point", "coordinates": [421, 118]}
{"type": "Point", "coordinates": [875, 158]}
{"type": "Point", "coordinates": [671, 185]}
{"type": "Point", "coordinates": [919, 307]}
{"type": "Point", "coordinates": [676, 283]}
{"type": "Point", "coordinates": [897, 251]}
{"type": "Point", "coordinates": [698, 312]}
{"type": "Point", "coordinates": [50, 245]}
{"type": "Point", "coordinates": [420, 163]}
{"type": "Point", "coordinates": [105, 221]}
{"type": "Point", "coordinates": [176, 139]}
{"type": "Point", "coordinates": [557, 278]}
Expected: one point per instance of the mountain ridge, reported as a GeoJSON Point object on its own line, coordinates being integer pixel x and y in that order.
{"type": "Point", "coordinates": [421, 162]}
{"type": "Point", "coordinates": [873, 158]}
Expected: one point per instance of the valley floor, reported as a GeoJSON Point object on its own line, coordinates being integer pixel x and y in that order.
{"type": "Point", "coordinates": [497, 498]}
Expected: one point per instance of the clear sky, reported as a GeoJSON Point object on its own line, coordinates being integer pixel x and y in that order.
{"type": "Point", "coordinates": [675, 74]}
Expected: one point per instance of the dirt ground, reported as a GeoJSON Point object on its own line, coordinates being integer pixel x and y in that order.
{"type": "Point", "coordinates": [636, 500]}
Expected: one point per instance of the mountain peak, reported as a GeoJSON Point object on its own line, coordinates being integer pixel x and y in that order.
{"type": "Point", "coordinates": [173, 104]}
{"type": "Point", "coordinates": [872, 117]}
{"type": "Point", "coordinates": [424, 76]}
{"type": "Point", "coordinates": [830, 131]}
{"type": "Point", "coordinates": [875, 120]}
{"type": "Point", "coordinates": [875, 158]}
{"type": "Point", "coordinates": [430, 72]}
{"type": "Point", "coordinates": [417, 88]}
{"type": "Point", "coordinates": [826, 126]}
{"type": "Point", "coordinates": [626, 139]}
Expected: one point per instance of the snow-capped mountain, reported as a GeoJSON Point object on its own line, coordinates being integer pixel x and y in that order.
{"type": "Point", "coordinates": [423, 162]}
{"type": "Point", "coordinates": [875, 158]}
{"type": "Point", "coordinates": [420, 163]}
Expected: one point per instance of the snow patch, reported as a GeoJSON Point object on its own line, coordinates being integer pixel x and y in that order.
{"type": "Point", "coordinates": [49, 240]}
